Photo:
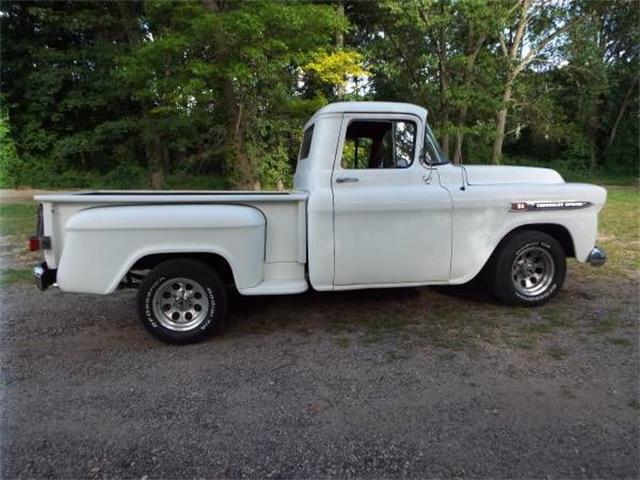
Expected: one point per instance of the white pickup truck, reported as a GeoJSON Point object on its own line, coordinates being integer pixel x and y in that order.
{"type": "Point", "coordinates": [376, 204]}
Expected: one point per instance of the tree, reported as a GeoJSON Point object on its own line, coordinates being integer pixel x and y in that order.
{"type": "Point", "coordinates": [428, 52]}
{"type": "Point", "coordinates": [539, 24]}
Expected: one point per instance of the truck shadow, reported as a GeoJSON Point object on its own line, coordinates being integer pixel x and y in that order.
{"type": "Point", "coordinates": [349, 310]}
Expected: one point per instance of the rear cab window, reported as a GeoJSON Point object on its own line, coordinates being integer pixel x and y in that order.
{"type": "Point", "coordinates": [305, 147]}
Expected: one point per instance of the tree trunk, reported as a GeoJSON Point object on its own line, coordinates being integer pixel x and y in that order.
{"type": "Point", "coordinates": [457, 153]}
{"type": "Point", "coordinates": [473, 49]}
{"type": "Point", "coordinates": [340, 90]}
{"type": "Point", "coordinates": [592, 128]}
{"type": "Point", "coordinates": [153, 143]}
{"type": "Point", "coordinates": [444, 85]}
{"type": "Point", "coordinates": [244, 176]}
{"type": "Point", "coordinates": [501, 123]}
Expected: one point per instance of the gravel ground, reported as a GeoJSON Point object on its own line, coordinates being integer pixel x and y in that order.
{"type": "Point", "coordinates": [307, 386]}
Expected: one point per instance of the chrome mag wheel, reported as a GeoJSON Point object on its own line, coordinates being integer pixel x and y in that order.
{"type": "Point", "coordinates": [180, 304]}
{"type": "Point", "coordinates": [532, 271]}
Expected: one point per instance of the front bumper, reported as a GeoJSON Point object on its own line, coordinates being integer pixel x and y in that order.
{"type": "Point", "coordinates": [597, 257]}
{"type": "Point", "coordinates": [44, 276]}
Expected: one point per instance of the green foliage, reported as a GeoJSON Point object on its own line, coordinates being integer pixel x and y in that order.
{"type": "Point", "coordinates": [10, 164]}
{"type": "Point", "coordinates": [334, 68]}
{"type": "Point", "coordinates": [108, 94]}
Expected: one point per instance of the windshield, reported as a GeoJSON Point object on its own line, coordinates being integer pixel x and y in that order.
{"type": "Point", "coordinates": [433, 153]}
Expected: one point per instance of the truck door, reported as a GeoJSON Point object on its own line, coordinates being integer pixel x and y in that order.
{"type": "Point", "coordinates": [392, 219]}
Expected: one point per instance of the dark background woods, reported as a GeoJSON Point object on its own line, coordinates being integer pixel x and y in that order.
{"type": "Point", "coordinates": [213, 93]}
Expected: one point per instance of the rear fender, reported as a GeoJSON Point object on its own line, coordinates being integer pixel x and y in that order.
{"type": "Point", "coordinates": [101, 244]}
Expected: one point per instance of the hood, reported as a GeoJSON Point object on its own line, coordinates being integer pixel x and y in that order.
{"type": "Point", "coordinates": [499, 174]}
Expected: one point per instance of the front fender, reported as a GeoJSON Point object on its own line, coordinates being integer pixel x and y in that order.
{"type": "Point", "coordinates": [101, 244]}
{"type": "Point", "coordinates": [482, 218]}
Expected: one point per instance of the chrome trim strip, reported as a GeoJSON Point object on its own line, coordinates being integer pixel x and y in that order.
{"type": "Point", "coordinates": [548, 205]}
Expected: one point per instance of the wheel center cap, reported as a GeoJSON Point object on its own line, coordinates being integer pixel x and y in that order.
{"type": "Point", "coordinates": [527, 269]}
{"type": "Point", "coordinates": [183, 300]}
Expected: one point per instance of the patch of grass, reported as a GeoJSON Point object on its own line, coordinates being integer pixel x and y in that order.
{"type": "Point", "coordinates": [535, 328]}
{"type": "Point", "coordinates": [527, 342]}
{"type": "Point", "coordinates": [554, 318]}
{"type": "Point", "coordinates": [11, 276]}
{"type": "Point", "coordinates": [567, 392]}
{"type": "Point", "coordinates": [18, 219]}
{"type": "Point", "coordinates": [619, 230]}
{"type": "Point", "coordinates": [557, 353]}
{"type": "Point", "coordinates": [456, 325]}
{"type": "Point", "coordinates": [607, 324]}
{"type": "Point", "coordinates": [621, 342]}
{"type": "Point", "coordinates": [393, 355]}
{"type": "Point", "coordinates": [343, 342]}
{"type": "Point", "coordinates": [375, 325]}
{"type": "Point", "coordinates": [558, 317]}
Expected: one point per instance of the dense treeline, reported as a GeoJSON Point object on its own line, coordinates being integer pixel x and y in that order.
{"type": "Point", "coordinates": [212, 93]}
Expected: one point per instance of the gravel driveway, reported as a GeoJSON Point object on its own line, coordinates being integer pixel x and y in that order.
{"type": "Point", "coordinates": [443, 383]}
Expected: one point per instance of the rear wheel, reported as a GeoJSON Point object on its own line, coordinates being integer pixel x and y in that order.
{"type": "Point", "coordinates": [182, 301]}
{"type": "Point", "coordinates": [528, 268]}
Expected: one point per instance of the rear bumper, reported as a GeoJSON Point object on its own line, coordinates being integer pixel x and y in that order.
{"type": "Point", "coordinates": [44, 276]}
{"type": "Point", "coordinates": [597, 257]}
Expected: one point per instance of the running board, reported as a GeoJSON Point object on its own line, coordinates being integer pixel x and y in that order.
{"type": "Point", "coordinates": [277, 287]}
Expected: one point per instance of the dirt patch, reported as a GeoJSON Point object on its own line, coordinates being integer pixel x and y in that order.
{"type": "Point", "coordinates": [24, 195]}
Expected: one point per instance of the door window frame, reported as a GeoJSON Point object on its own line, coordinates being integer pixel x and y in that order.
{"type": "Point", "coordinates": [348, 118]}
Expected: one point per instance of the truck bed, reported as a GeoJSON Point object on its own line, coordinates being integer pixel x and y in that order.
{"type": "Point", "coordinates": [284, 212]}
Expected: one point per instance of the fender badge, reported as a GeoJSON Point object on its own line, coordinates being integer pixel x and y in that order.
{"type": "Point", "coordinates": [563, 205]}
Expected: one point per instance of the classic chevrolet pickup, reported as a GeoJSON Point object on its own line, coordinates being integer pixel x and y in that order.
{"type": "Point", "coordinates": [376, 204]}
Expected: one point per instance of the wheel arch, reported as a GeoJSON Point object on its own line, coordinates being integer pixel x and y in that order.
{"type": "Point", "coordinates": [214, 260]}
{"type": "Point", "coordinates": [559, 232]}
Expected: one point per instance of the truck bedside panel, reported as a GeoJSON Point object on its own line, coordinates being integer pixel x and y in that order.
{"type": "Point", "coordinates": [101, 244]}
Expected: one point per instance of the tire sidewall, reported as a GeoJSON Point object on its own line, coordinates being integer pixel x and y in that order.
{"type": "Point", "coordinates": [199, 274]}
{"type": "Point", "coordinates": [505, 287]}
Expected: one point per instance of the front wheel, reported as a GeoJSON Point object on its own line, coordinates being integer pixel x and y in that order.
{"type": "Point", "coordinates": [182, 301]}
{"type": "Point", "coordinates": [528, 268]}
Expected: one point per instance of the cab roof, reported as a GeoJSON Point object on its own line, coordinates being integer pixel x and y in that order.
{"type": "Point", "coordinates": [369, 107]}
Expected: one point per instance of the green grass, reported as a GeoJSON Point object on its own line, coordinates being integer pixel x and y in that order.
{"type": "Point", "coordinates": [557, 353]}
{"type": "Point", "coordinates": [11, 276]}
{"type": "Point", "coordinates": [621, 342]}
{"type": "Point", "coordinates": [18, 219]}
{"type": "Point", "coordinates": [619, 230]}
{"type": "Point", "coordinates": [607, 324]}
{"type": "Point", "coordinates": [553, 318]}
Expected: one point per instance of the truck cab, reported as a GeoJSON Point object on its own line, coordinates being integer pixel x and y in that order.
{"type": "Point", "coordinates": [371, 170]}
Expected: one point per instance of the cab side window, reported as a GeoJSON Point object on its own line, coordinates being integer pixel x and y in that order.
{"type": "Point", "coordinates": [305, 146]}
{"type": "Point", "coordinates": [371, 144]}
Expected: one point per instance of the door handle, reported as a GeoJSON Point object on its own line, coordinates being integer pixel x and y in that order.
{"type": "Point", "coordinates": [346, 180]}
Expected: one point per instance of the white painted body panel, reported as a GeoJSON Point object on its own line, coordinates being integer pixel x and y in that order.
{"type": "Point", "coordinates": [482, 216]}
{"type": "Point", "coordinates": [385, 215]}
{"type": "Point", "coordinates": [122, 235]}
{"type": "Point", "coordinates": [86, 230]}
{"type": "Point", "coordinates": [404, 227]}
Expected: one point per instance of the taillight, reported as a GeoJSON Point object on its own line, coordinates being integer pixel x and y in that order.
{"type": "Point", "coordinates": [39, 241]}
{"type": "Point", "coordinates": [34, 243]}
